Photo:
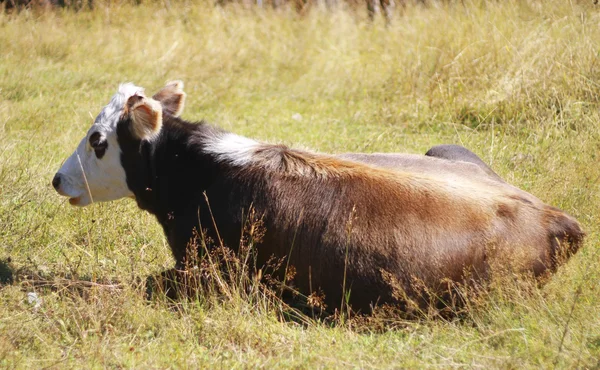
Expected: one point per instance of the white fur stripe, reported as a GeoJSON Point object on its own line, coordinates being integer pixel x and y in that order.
{"type": "Point", "coordinates": [234, 149]}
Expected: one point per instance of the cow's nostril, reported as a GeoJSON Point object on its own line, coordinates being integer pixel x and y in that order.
{"type": "Point", "coordinates": [56, 181]}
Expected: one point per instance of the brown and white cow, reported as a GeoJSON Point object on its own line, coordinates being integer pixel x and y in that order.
{"type": "Point", "coordinates": [334, 218]}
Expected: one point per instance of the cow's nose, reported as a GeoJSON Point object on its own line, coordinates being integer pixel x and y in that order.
{"type": "Point", "coordinates": [56, 181]}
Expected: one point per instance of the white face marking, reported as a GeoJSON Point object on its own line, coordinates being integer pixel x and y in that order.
{"type": "Point", "coordinates": [84, 177]}
{"type": "Point", "coordinates": [234, 149]}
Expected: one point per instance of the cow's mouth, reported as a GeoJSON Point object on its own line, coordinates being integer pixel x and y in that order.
{"type": "Point", "coordinates": [74, 201]}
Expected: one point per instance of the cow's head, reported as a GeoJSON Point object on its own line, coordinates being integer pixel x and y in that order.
{"type": "Point", "coordinates": [93, 173]}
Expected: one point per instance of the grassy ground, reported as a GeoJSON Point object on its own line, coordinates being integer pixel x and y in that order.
{"type": "Point", "coordinates": [518, 82]}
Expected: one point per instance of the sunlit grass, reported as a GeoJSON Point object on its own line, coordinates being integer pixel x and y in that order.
{"type": "Point", "coordinates": [517, 82]}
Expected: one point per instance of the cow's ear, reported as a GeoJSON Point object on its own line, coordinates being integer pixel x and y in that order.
{"type": "Point", "coordinates": [146, 117]}
{"type": "Point", "coordinates": [172, 98]}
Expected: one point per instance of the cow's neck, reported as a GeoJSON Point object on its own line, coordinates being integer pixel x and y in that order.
{"type": "Point", "coordinates": [166, 173]}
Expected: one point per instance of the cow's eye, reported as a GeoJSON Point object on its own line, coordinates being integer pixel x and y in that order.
{"type": "Point", "coordinates": [99, 144]}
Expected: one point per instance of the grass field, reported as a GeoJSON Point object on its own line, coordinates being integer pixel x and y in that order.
{"type": "Point", "coordinates": [516, 81]}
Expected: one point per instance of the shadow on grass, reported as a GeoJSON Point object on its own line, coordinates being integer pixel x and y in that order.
{"type": "Point", "coordinates": [30, 278]}
{"type": "Point", "coordinates": [6, 272]}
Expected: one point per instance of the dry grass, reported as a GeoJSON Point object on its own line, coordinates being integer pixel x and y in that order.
{"type": "Point", "coordinates": [516, 81]}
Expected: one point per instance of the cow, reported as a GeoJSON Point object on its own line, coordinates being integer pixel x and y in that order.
{"type": "Point", "coordinates": [356, 231]}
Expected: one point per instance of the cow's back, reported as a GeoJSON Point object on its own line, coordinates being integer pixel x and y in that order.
{"type": "Point", "coordinates": [383, 230]}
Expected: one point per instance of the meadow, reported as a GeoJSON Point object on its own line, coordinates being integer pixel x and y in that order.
{"type": "Point", "coordinates": [516, 81]}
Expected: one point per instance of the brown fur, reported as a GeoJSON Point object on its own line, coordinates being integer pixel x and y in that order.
{"type": "Point", "coordinates": [333, 216]}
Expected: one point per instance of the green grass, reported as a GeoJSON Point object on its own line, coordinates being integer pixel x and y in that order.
{"type": "Point", "coordinates": [516, 81]}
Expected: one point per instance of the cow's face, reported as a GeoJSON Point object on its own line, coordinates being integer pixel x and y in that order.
{"type": "Point", "coordinates": [93, 173]}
